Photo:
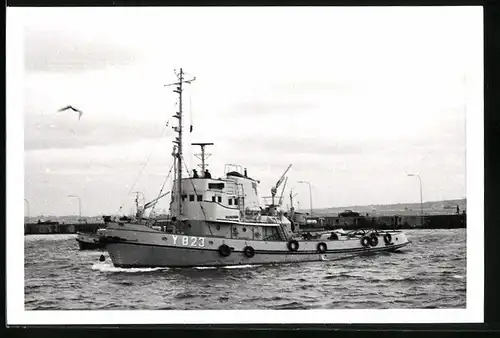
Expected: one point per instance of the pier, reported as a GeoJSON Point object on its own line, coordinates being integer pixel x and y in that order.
{"type": "Point", "coordinates": [435, 221]}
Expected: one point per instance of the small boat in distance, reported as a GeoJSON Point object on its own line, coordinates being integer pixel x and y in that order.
{"type": "Point", "coordinates": [221, 222]}
{"type": "Point", "coordinates": [90, 240]}
{"type": "Point", "coordinates": [93, 240]}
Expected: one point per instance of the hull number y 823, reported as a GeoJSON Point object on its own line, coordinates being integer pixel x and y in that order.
{"type": "Point", "coordinates": [189, 241]}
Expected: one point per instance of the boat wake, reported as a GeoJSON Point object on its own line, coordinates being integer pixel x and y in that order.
{"type": "Point", "coordinates": [247, 266]}
{"type": "Point", "coordinates": [106, 267]}
{"type": "Point", "coordinates": [204, 267]}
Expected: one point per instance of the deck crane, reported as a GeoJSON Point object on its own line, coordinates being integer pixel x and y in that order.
{"type": "Point", "coordinates": [153, 202]}
{"type": "Point", "coordinates": [283, 191]}
{"type": "Point", "coordinates": [274, 189]}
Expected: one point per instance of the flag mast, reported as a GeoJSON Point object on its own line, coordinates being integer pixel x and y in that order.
{"type": "Point", "coordinates": [178, 140]}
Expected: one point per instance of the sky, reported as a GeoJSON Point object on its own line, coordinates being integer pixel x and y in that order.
{"type": "Point", "coordinates": [354, 98]}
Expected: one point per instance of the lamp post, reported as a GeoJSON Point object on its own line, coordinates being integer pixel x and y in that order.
{"type": "Point", "coordinates": [421, 202]}
{"type": "Point", "coordinates": [310, 196]}
{"type": "Point", "coordinates": [79, 205]}
{"type": "Point", "coordinates": [28, 209]}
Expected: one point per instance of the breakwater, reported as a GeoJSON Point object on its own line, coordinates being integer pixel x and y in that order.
{"type": "Point", "coordinates": [59, 228]}
{"type": "Point", "coordinates": [439, 221]}
{"type": "Point", "coordinates": [446, 221]}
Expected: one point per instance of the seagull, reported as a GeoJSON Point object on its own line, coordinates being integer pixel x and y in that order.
{"type": "Point", "coordinates": [80, 113]}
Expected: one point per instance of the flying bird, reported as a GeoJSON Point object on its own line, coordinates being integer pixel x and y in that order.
{"type": "Point", "coordinates": [80, 113]}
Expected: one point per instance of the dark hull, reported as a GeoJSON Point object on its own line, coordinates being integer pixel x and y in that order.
{"type": "Point", "coordinates": [90, 245]}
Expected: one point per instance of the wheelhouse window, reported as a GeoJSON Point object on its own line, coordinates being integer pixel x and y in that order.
{"type": "Point", "coordinates": [191, 198]}
{"type": "Point", "coordinates": [230, 201]}
{"type": "Point", "coordinates": [199, 198]}
{"type": "Point", "coordinates": [184, 196]}
{"type": "Point", "coordinates": [216, 186]}
{"type": "Point", "coordinates": [236, 201]}
{"type": "Point", "coordinates": [219, 199]}
{"type": "Point", "coordinates": [213, 198]}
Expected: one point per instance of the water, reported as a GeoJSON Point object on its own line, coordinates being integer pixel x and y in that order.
{"type": "Point", "coordinates": [430, 273]}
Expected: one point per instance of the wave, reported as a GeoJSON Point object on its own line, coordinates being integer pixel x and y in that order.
{"type": "Point", "coordinates": [93, 253]}
{"type": "Point", "coordinates": [104, 267]}
{"type": "Point", "coordinates": [56, 237]}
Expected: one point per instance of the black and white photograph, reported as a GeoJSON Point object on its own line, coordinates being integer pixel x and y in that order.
{"type": "Point", "coordinates": [225, 164]}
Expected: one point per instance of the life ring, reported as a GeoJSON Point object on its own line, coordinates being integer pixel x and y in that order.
{"type": "Point", "coordinates": [249, 251]}
{"type": "Point", "coordinates": [321, 247]}
{"type": "Point", "coordinates": [387, 238]}
{"type": "Point", "coordinates": [293, 245]}
{"type": "Point", "coordinates": [224, 250]}
{"type": "Point", "coordinates": [373, 240]}
{"type": "Point", "coordinates": [365, 241]}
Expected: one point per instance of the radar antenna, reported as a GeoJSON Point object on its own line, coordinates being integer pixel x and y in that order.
{"type": "Point", "coordinates": [202, 156]}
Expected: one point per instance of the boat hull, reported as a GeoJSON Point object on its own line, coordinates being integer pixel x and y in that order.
{"type": "Point", "coordinates": [126, 255]}
{"type": "Point", "coordinates": [90, 241]}
{"type": "Point", "coordinates": [133, 246]}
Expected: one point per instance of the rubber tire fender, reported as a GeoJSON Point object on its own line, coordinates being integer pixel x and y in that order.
{"type": "Point", "coordinates": [224, 250]}
{"type": "Point", "coordinates": [249, 251]}
{"type": "Point", "coordinates": [321, 247]}
{"type": "Point", "coordinates": [365, 241]}
{"type": "Point", "coordinates": [293, 245]}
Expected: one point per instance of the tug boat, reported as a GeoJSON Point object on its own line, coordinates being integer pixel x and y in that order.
{"type": "Point", "coordinates": [221, 222]}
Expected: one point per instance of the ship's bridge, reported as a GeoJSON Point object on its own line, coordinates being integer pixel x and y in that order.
{"type": "Point", "coordinates": [249, 186]}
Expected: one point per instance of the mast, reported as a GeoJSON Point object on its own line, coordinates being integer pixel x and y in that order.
{"type": "Point", "coordinates": [178, 139]}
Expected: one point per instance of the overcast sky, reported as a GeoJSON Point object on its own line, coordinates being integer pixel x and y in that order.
{"type": "Point", "coordinates": [354, 98]}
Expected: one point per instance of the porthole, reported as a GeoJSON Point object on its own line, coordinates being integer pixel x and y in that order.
{"type": "Point", "coordinates": [244, 229]}
{"type": "Point", "coordinates": [189, 225]}
{"type": "Point", "coordinates": [217, 227]}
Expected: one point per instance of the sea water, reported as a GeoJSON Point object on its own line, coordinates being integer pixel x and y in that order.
{"type": "Point", "coordinates": [429, 273]}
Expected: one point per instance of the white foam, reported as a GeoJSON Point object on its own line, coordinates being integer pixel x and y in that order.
{"type": "Point", "coordinates": [106, 267]}
{"type": "Point", "coordinates": [458, 276]}
{"type": "Point", "coordinates": [240, 266]}
{"type": "Point", "coordinates": [204, 267]}
{"type": "Point", "coordinates": [247, 266]}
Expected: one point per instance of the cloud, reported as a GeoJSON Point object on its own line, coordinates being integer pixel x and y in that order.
{"type": "Point", "coordinates": [57, 51]}
{"type": "Point", "coordinates": [272, 107]}
{"type": "Point", "coordinates": [298, 145]}
{"type": "Point", "coordinates": [57, 131]}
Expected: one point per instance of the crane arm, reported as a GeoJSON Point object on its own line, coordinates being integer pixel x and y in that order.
{"type": "Point", "coordinates": [282, 191]}
{"type": "Point", "coordinates": [149, 204]}
{"type": "Point", "coordinates": [282, 178]}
